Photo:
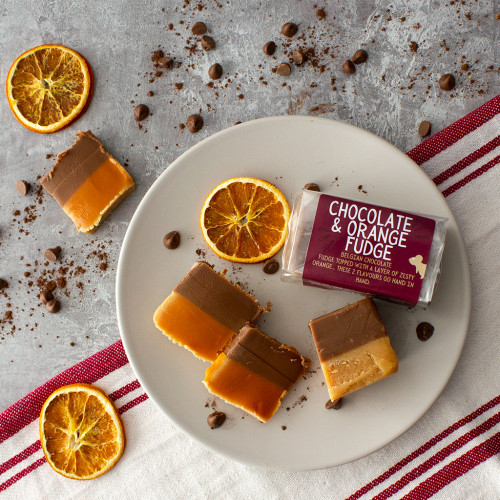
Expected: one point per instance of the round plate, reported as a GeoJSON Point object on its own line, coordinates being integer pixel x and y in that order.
{"type": "Point", "coordinates": [289, 152]}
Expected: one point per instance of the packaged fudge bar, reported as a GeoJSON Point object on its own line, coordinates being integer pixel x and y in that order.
{"type": "Point", "coordinates": [336, 242]}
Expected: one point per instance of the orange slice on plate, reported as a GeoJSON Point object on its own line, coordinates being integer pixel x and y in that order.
{"type": "Point", "coordinates": [81, 432]}
{"type": "Point", "coordinates": [48, 87]}
{"type": "Point", "coordinates": [245, 220]}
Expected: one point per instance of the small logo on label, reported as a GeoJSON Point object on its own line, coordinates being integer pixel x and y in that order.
{"type": "Point", "coordinates": [419, 267]}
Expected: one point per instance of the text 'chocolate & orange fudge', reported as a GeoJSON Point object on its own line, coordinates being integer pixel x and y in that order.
{"type": "Point", "coordinates": [205, 311]}
{"type": "Point", "coordinates": [255, 373]}
{"type": "Point", "coordinates": [353, 348]}
{"type": "Point", "coordinates": [87, 182]}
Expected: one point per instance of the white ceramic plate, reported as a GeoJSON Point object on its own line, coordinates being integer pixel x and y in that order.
{"type": "Point", "coordinates": [289, 152]}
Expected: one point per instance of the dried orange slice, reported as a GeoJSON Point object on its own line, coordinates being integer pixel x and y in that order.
{"type": "Point", "coordinates": [48, 87]}
{"type": "Point", "coordinates": [245, 220]}
{"type": "Point", "coordinates": [80, 431]}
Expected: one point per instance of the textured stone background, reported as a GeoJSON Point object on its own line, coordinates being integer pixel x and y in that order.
{"type": "Point", "coordinates": [389, 95]}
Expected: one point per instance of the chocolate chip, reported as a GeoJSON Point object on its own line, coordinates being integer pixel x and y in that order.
{"type": "Point", "coordinates": [207, 42]}
{"type": "Point", "coordinates": [194, 123]}
{"type": "Point", "coordinates": [289, 29]}
{"type": "Point", "coordinates": [299, 57]}
{"type": "Point", "coordinates": [424, 129]}
{"type": "Point", "coordinates": [348, 67]}
{"type": "Point", "coordinates": [52, 254]}
{"type": "Point", "coordinates": [311, 186]}
{"type": "Point", "coordinates": [216, 419]}
{"type": "Point", "coordinates": [464, 67]}
{"type": "Point", "coordinates": [199, 28]}
{"type": "Point", "coordinates": [283, 69]}
{"type": "Point", "coordinates": [165, 62]}
{"type": "Point", "coordinates": [215, 71]}
{"type": "Point", "coordinates": [22, 187]}
{"type": "Point", "coordinates": [424, 331]}
{"type": "Point", "coordinates": [53, 306]}
{"type": "Point", "coordinates": [269, 48]}
{"type": "Point", "coordinates": [336, 404]}
{"type": "Point", "coordinates": [46, 296]}
{"type": "Point", "coordinates": [151, 93]}
{"type": "Point", "coordinates": [141, 112]}
{"type": "Point", "coordinates": [447, 82]}
{"type": "Point", "coordinates": [3, 284]}
{"type": "Point", "coordinates": [172, 240]}
{"type": "Point", "coordinates": [271, 266]}
{"type": "Point", "coordinates": [360, 56]}
{"type": "Point", "coordinates": [283, 427]}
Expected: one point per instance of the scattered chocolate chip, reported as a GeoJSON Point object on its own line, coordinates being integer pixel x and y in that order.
{"type": "Point", "coordinates": [348, 67]}
{"type": "Point", "coordinates": [269, 48]}
{"type": "Point", "coordinates": [151, 93]}
{"type": "Point", "coordinates": [283, 427]}
{"type": "Point", "coordinates": [413, 47]}
{"type": "Point", "coordinates": [215, 71]}
{"type": "Point", "coordinates": [311, 186]}
{"type": "Point", "coordinates": [497, 16]}
{"type": "Point", "coordinates": [299, 57]}
{"type": "Point", "coordinates": [271, 266]}
{"type": "Point", "coordinates": [424, 129]}
{"type": "Point", "coordinates": [289, 29]}
{"type": "Point", "coordinates": [52, 254]}
{"type": "Point", "coordinates": [172, 240]}
{"type": "Point", "coordinates": [3, 284]}
{"type": "Point", "coordinates": [216, 419]}
{"type": "Point", "coordinates": [46, 296]}
{"type": "Point", "coordinates": [199, 28]}
{"type": "Point", "coordinates": [207, 42]}
{"type": "Point", "coordinates": [283, 69]}
{"type": "Point", "coordinates": [141, 112]}
{"type": "Point", "coordinates": [53, 306]}
{"type": "Point", "coordinates": [464, 67]}
{"type": "Point", "coordinates": [336, 404]}
{"type": "Point", "coordinates": [194, 123]}
{"type": "Point", "coordinates": [360, 56]}
{"type": "Point", "coordinates": [165, 62]}
{"type": "Point", "coordinates": [424, 331]}
{"type": "Point", "coordinates": [447, 82]}
{"type": "Point", "coordinates": [22, 187]}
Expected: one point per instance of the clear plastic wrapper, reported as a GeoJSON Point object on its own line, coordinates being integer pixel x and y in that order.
{"type": "Point", "coordinates": [341, 243]}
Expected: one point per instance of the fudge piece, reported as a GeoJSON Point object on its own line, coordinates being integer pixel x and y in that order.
{"type": "Point", "coordinates": [205, 311]}
{"type": "Point", "coordinates": [353, 347]}
{"type": "Point", "coordinates": [87, 182]}
{"type": "Point", "coordinates": [255, 373]}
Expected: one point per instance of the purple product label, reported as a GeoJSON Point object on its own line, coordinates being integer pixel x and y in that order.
{"type": "Point", "coordinates": [368, 248]}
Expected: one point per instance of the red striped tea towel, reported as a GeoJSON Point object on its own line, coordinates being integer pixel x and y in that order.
{"type": "Point", "coordinates": [452, 452]}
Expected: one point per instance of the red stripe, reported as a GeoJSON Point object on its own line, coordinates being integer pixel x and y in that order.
{"type": "Point", "coordinates": [468, 160]}
{"type": "Point", "coordinates": [474, 175]}
{"type": "Point", "coordinates": [438, 457]}
{"type": "Point", "coordinates": [131, 404]}
{"type": "Point", "coordinates": [20, 457]}
{"type": "Point", "coordinates": [455, 469]}
{"type": "Point", "coordinates": [26, 410]}
{"type": "Point", "coordinates": [20, 475]}
{"type": "Point", "coordinates": [134, 402]}
{"type": "Point", "coordinates": [124, 390]}
{"type": "Point", "coordinates": [444, 139]}
{"type": "Point", "coordinates": [427, 446]}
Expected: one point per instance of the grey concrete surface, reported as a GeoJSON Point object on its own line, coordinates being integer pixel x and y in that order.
{"type": "Point", "coordinates": [389, 95]}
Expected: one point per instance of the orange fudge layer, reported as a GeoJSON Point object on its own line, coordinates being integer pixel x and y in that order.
{"type": "Point", "coordinates": [255, 373]}
{"type": "Point", "coordinates": [205, 311]}
{"type": "Point", "coordinates": [87, 182]}
{"type": "Point", "coordinates": [353, 347]}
